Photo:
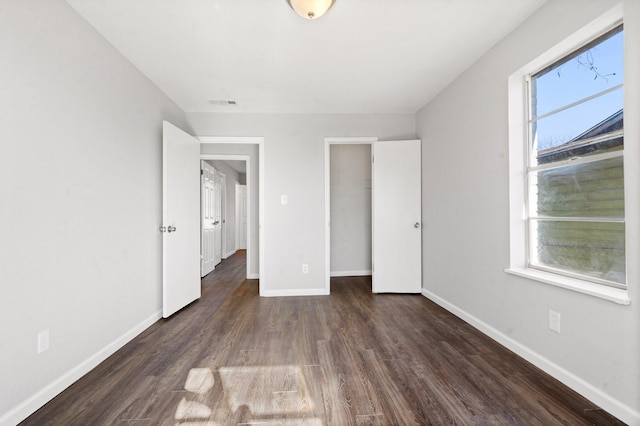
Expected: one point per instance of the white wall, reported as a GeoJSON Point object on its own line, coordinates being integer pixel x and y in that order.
{"type": "Point", "coordinates": [466, 215]}
{"type": "Point", "coordinates": [80, 199]}
{"type": "Point", "coordinates": [294, 166]}
{"type": "Point", "coordinates": [252, 151]}
{"type": "Point", "coordinates": [350, 209]}
{"type": "Point", "coordinates": [232, 177]}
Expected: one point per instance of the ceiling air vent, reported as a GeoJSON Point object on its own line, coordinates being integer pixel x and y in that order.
{"type": "Point", "coordinates": [222, 102]}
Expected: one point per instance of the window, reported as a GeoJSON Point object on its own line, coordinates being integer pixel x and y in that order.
{"type": "Point", "coordinates": [574, 172]}
{"type": "Point", "coordinates": [567, 188]}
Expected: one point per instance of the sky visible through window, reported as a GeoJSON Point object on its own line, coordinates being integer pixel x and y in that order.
{"type": "Point", "coordinates": [593, 71]}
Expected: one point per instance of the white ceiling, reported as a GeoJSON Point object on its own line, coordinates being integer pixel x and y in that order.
{"type": "Point", "coordinates": [363, 56]}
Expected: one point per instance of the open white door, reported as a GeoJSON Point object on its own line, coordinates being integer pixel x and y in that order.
{"type": "Point", "coordinates": [180, 219]}
{"type": "Point", "coordinates": [397, 227]}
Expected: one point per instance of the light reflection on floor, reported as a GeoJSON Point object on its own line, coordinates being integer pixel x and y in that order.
{"type": "Point", "coordinates": [189, 410]}
{"type": "Point", "coordinates": [199, 380]}
{"type": "Point", "coordinates": [265, 395]}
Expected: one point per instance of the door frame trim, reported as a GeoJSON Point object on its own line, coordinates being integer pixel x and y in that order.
{"type": "Point", "coordinates": [237, 221]}
{"type": "Point", "coordinates": [257, 140]}
{"type": "Point", "coordinates": [365, 140]}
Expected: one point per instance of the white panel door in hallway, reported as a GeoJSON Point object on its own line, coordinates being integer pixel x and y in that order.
{"type": "Point", "coordinates": [397, 207]}
{"type": "Point", "coordinates": [207, 206]}
{"type": "Point", "coordinates": [212, 183]}
{"type": "Point", "coordinates": [180, 219]}
{"type": "Point", "coordinates": [218, 185]}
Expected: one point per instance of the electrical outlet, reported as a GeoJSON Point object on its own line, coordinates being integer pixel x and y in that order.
{"type": "Point", "coordinates": [43, 341]}
{"type": "Point", "coordinates": [305, 268]}
{"type": "Point", "coordinates": [554, 321]}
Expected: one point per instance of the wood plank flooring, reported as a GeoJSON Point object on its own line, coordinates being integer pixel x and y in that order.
{"type": "Point", "coordinates": [352, 358]}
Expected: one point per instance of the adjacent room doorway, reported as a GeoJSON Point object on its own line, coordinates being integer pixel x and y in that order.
{"type": "Point", "coordinates": [239, 148]}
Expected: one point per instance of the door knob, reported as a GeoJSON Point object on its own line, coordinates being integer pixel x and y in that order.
{"type": "Point", "coordinates": [171, 228]}
{"type": "Point", "coordinates": [416, 225]}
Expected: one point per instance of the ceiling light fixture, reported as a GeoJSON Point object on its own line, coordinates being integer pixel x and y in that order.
{"type": "Point", "coordinates": [311, 9]}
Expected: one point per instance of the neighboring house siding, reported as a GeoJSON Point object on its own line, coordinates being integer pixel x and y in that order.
{"type": "Point", "coordinates": [592, 189]}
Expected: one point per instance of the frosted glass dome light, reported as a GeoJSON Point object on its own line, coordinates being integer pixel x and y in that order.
{"type": "Point", "coordinates": [310, 9]}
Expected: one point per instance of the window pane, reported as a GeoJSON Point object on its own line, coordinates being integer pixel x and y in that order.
{"type": "Point", "coordinates": [576, 208]}
{"type": "Point", "coordinates": [598, 68]}
{"type": "Point", "coordinates": [584, 190]}
{"type": "Point", "coordinates": [568, 126]}
{"type": "Point", "coordinates": [587, 248]}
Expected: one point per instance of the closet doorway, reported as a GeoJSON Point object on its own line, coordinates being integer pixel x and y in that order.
{"type": "Point", "coordinates": [348, 202]}
{"type": "Point", "coordinates": [396, 218]}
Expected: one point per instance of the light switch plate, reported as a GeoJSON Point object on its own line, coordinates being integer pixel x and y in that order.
{"type": "Point", "coordinates": [43, 341]}
{"type": "Point", "coordinates": [554, 321]}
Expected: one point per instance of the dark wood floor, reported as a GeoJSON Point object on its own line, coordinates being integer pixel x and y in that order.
{"type": "Point", "coordinates": [352, 358]}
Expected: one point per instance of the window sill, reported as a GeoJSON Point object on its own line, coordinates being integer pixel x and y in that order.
{"type": "Point", "coordinates": [616, 295]}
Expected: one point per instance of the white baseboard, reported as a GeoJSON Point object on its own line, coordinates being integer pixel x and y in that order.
{"type": "Point", "coordinates": [296, 292]}
{"type": "Point", "coordinates": [33, 403]}
{"type": "Point", "coordinates": [231, 253]}
{"type": "Point", "coordinates": [350, 273]}
{"type": "Point", "coordinates": [253, 277]}
{"type": "Point", "coordinates": [622, 411]}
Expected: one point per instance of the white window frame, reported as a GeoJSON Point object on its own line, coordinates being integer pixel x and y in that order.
{"type": "Point", "coordinates": [518, 139]}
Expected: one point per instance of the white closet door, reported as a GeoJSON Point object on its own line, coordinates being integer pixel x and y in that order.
{"type": "Point", "coordinates": [397, 227]}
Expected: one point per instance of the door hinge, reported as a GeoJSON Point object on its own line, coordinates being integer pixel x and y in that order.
{"type": "Point", "coordinates": [201, 172]}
